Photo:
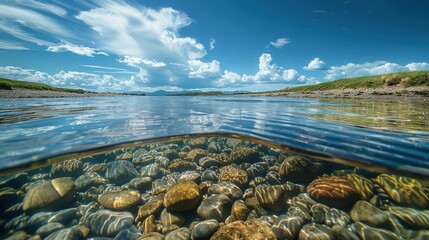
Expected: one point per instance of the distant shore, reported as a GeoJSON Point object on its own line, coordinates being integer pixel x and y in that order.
{"type": "Point", "coordinates": [29, 93]}
{"type": "Point", "coordinates": [365, 93]}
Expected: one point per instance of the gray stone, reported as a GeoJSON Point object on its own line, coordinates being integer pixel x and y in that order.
{"type": "Point", "coordinates": [314, 231]}
{"type": "Point", "coordinates": [286, 227]}
{"type": "Point", "coordinates": [205, 229]}
{"type": "Point", "coordinates": [216, 206]}
{"type": "Point", "coordinates": [179, 234]}
{"type": "Point", "coordinates": [121, 172]}
{"type": "Point", "coordinates": [108, 223]}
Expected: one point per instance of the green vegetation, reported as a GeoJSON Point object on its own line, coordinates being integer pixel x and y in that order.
{"type": "Point", "coordinates": [402, 79]}
{"type": "Point", "coordinates": [7, 84]}
{"type": "Point", "coordinates": [214, 93]}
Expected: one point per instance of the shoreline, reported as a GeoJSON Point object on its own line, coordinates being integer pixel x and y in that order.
{"type": "Point", "coordinates": [17, 93]}
{"type": "Point", "coordinates": [360, 93]}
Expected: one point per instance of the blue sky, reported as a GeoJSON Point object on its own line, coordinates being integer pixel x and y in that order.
{"type": "Point", "coordinates": [251, 45]}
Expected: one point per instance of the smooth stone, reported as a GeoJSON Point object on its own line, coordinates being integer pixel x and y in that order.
{"type": "Point", "coordinates": [50, 195]}
{"type": "Point", "coordinates": [108, 223]}
{"type": "Point", "coordinates": [152, 236]}
{"type": "Point", "coordinates": [333, 191]}
{"type": "Point", "coordinates": [200, 142]}
{"type": "Point", "coordinates": [363, 186]}
{"type": "Point", "coordinates": [253, 204]}
{"type": "Point", "coordinates": [120, 200]}
{"type": "Point", "coordinates": [239, 211]}
{"type": "Point", "coordinates": [271, 197]}
{"type": "Point", "coordinates": [257, 170]}
{"type": "Point", "coordinates": [170, 154]}
{"type": "Point", "coordinates": [329, 216]}
{"type": "Point", "coordinates": [273, 178]}
{"type": "Point", "coordinates": [8, 197]}
{"type": "Point", "coordinates": [406, 192]}
{"type": "Point", "coordinates": [366, 232]}
{"type": "Point", "coordinates": [209, 175]}
{"type": "Point", "coordinates": [205, 229]}
{"type": "Point", "coordinates": [245, 154]}
{"type": "Point", "coordinates": [49, 228]}
{"type": "Point", "coordinates": [342, 233]}
{"type": "Point", "coordinates": [415, 235]}
{"type": "Point", "coordinates": [151, 170]}
{"type": "Point", "coordinates": [20, 235]}
{"type": "Point", "coordinates": [84, 230]}
{"type": "Point", "coordinates": [183, 196]}
{"type": "Point", "coordinates": [299, 169]}
{"type": "Point", "coordinates": [190, 176]}
{"type": "Point", "coordinates": [195, 154]}
{"type": "Point", "coordinates": [411, 218]}
{"type": "Point", "coordinates": [130, 233]}
{"type": "Point", "coordinates": [207, 162]}
{"type": "Point", "coordinates": [250, 230]}
{"type": "Point", "coordinates": [149, 225]}
{"type": "Point", "coordinates": [182, 166]}
{"type": "Point", "coordinates": [214, 148]}
{"type": "Point", "coordinates": [286, 227]}
{"type": "Point", "coordinates": [216, 206]}
{"type": "Point", "coordinates": [120, 172]}
{"type": "Point", "coordinates": [169, 228]}
{"type": "Point", "coordinates": [99, 168]}
{"type": "Point", "coordinates": [227, 188]}
{"type": "Point", "coordinates": [313, 231]}
{"type": "Point", "coordinates": [170, 217]}
{"type": "Point", "coordinates": [163, 162]}
{"type": "Point", "coordinates": [140, 183]}
{"type": "Point", "coordinates": [233, 174]}
{"type": "Point", "coordinates": [67, 168]}
{"type": "Point", "coordinates": [66, 234]}
{"type": "Point", "coordinates": [153, 207]}
{"type": "Point", "coordinates": [301, 212]}
{"type": "Point", "coordinates": [93, 179]}
{"type": "Point", "coordinates": [179, 234]}
{"type": "Point", "coordinates": [367, 213]}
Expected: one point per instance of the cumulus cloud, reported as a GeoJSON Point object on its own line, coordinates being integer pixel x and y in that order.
{"type": "Point", "coordinates": [315, 64]}
{"type": "Point", "coordinates": [279, 43]}
{"type": "Point", "coordinates": [200, 69]}
{"type": "Point", "coordinates": [229, 78]}
{"type": "Point", "coordinates": [418, 66]}
{"type": "Point", "coordinates": [142, 32]}
{"type": "Point", "coordinates": [80, 50]}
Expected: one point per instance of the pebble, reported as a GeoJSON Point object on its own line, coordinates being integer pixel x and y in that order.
{"type": "Point", "coordinates": [141, 183]}
{"type": "Point", "coordinates": [87, 180]}
{"type": "Point", "coordinates": [239, 211]}
{"type": "Point", "coordinates": [411, 218]}
{"type": "Point", "coordinates": [313, 231]}
{"type": "Point", "coordinates": [227, 188]}
{"type": "Point", "coordinates": [271, 197]}
{"type": "Point", "coordinates": [209, 175]}
{"type": "Point", "coordinates": [250, 230]}
{"type": "Point", "coordinates": [341, 232]}
{"type": "Point", "coordinates": [286, 227]}
{"type": "Point", "coordinates": [151, 170]}
{"type": "Point", "coordinates": [50, 195]}
{"type": "Point", "coordinates": [152, 236]}
{"type": "Point", "coordinates": [233, 174]}
{"type": "Point", "coordinates": [120, 172]}
{"type": "Point", "coordinates": [366, 232]}
{"type": "Point", "coordinates": [183, 196]}
{"type": "Point", "coordinates": [66, 234]}
{"type": "Point", "coordinates": [333, 191]}
{"type": "Point", "coordinates": [151, 208]}
{"type": "Point", "coordinates": [216, 206]}
{"type": "Point", "coordinates": [205, 229]}
{"type": "Point", "coordinates": [108, 223]}
{"type": "Point", "coordinates": [179, 234]}
{"type": "Point", "coordinates": [207, 162]}
{"type": "Point", "coordinates": [299, 169]}
{"type": "Point", "coordinates": [67, 168]}
{"type": "Point", "coordinates": [121, 200]}
{"type": "Point", "coordinates": [171, 217]}
{"type": "Point", "coordinates": [363, 186]}
{"type": "Point", "coordinates": [367, 213]}
{"type": "Point", "coordinates": [149, 225]}
{"type": "Point", "coordinates": [49, 228]}
{"type": "Point", "coordinates": [14, 181]}
{"type": "Point", "coordinates": [182, 166]}
{"type": "Point", "coordinates": [195, 154]}
{"type": "Point", "coordinates": [245, 154]}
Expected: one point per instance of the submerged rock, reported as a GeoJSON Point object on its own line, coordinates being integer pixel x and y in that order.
{"type": "Point", "coordinates": [195, 154]}
{"type": "Point", "coordinates": [108, 223]}
{"type": "Point", "coordinates": [205, 229]}
{"type": "Point", "coordinates": [50, 195]}
{"type": "Point", "coordinates": [366, 232]}
{"type": "Point", "coordinates": [271, 197]}
{"type": "Point", "coordinates": [121, 172]}
{"type": "Point", "coordinates": [233, 174]}
{"type": "Point", "coordinates": [179, 234]}
{"type": "Point", "coordinates": [67, 168]}
{"type": "Point", "coordinates": [216, 206]}
{"type": "Point", "coordinates": [151, 208]}
{"type": "Point", "coordinates": [121, 200]}
{"type": "Point", "coordinates": [299, 169]}
{"type": "Point", "coordinates": [250, 230]}
{"type": "Point", "coordinates": [172, 218]}
{"type": "Point", "coordinates": [333, 191]}
{"type": "Point", "coordinates": [312, 231]}
{"type": "Point", "coordinates": [245, 155]}
{"type": "Point", "coordinates": [287, 227]}
{"type": "Point", "coordinates": [228, 188]}
{"type": "Point", "coordinates": [183, 196]}
{"type": "Point", "coordinates": [88, 180]}
{"type": "Point", "coordinates": [411, 218]}
{"type": "Point", "coordinates": [151, 170]}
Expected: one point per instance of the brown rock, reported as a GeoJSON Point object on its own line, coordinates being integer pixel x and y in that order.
{"type": "Point", "coordinates": [234, 174]}
{"type": "Point", "coordinates": [333, 191]}
{"type": "Point", "coordinates": [152, 207]}
{"type": "Point", "coordinates": [183, 196]}
{"type": "Point", "coordinates": [252, 229]}
{"type": "Point", "coordinates": [120, 200]}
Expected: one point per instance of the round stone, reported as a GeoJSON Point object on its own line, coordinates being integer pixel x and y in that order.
{"type": "Point", "coordinates": [140, 183]}
{"type": "Point", "coordinates": [227, 188]}
{"type": "Point", "coordinates": [197, 143]}
{"type": "Point", "coordinates": [312, 231]}
{"type": "Point", "coordinates": [181, 166]}
{"type": "Point", "coordinates": [333, 191]}
{"type": "Point", "coordinates": [363, 186]}
{"type": "Point", "coordinates": [50, 195]}
{"type": "Point", "coordinates": [172, 218]}
{"type": "Point", "coordinates": [207, 162]}
{"type": "Point", "coordinates": [195, 154]}
{"type": "Point", "coordinates": [170, 154]}
{"type": "Point", "coordinates": [66, 234]}
{"type": "Point", "coordinates": [367, 213]}
{"type": "Point", "coordinates": [120, 200]}
{"type": "Point", "coordinates": [205, 229]}
{"type": "Point", "coordinates": [239, 211]}
{"type": "Point", "coordinates": [67, 168]}
{"type": "Point", "coordinates": [108, 223]}
{"type": "Point", "coordinates": [249, 230]}
{"type": "Point", "coordinates": [287, 227]}
{"type": "Point", "coordinates": [151, 208]}
{"type": "Point", "coordinates": [49, 228]}
{"type": "Point", "coordinates": [234, 174]}
{"type": "Point", "coordinates": [299, 169]}
{"type": "Point", "coordinates": [151, 170]}
{"type": "Point", "coordinates": [366, 232]}
{"type": "Point", "coordinates": [411, 218]}
{"type": "Point", "coordinates": [215, 206]}
{"type": "Point", "coordinates": [88, 180]}
{"type": "Point", "coordinates": [179, 234]}
{"type": "Point", "coordinates": [245, 155]}
{"type": "Point", "coordinates": [271, 197]}
{"type": "Point", "coordinates": [121, 172]}
{"type": "Point", "coordinates": [183, 196]}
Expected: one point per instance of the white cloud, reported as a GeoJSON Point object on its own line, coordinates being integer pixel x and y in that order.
{"type": "Point", "coordinates": [199, 69]}
{"type": "Point", "coordinates": [418, 66]}
{"type": "Point", "coordinates": [11, 46]}
{"type": "Point", "coordinates": [142, 32]}
{"type": "Point", "coordinates": [103, 67]}
{"type": "Point", "coordinates": [364, 69]}
{"type": "Point", "coordinates": [279, 43]}
{"type": "Point", "coordinates": [14, 30]}
{"type": "Point", "coordinates": [315, 64]}
{"type": "Point", "coordinates": [229, 79]}
{"type": "Point", "coordinates": [80, 50]}
{"type": "Point", "coordinates": [43, 7]}
{"type": "Point", "coordinates": [138, 62]}
{"type": "Point", "coordinates": [212, 43]}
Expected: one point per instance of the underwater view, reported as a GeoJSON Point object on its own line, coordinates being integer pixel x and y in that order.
{"type": "Point", "coordinates": [210, 187]}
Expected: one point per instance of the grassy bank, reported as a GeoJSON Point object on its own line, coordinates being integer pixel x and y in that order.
{"type": "Point", "coordinates": [7, 84]}
{"type": "Point", "coordinates": [402, 79]}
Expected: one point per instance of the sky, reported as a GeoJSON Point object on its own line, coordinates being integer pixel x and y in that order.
{"type": "Point", "coordinates": [245, 45]}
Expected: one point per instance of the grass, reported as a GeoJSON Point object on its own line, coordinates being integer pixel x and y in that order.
{"type": "Point", "coordinates": [401, 79]}
{"type": "Point", "coordinates": [7, 84]}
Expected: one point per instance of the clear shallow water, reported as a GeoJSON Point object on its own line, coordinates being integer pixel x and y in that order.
{"type": "Point", "coordinates": [395, 135]}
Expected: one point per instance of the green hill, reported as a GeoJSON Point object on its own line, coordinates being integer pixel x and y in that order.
{"type": "Point", "coordinates": [7, 84]}
{"type": "Point", "coordinates": [402, 79]}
